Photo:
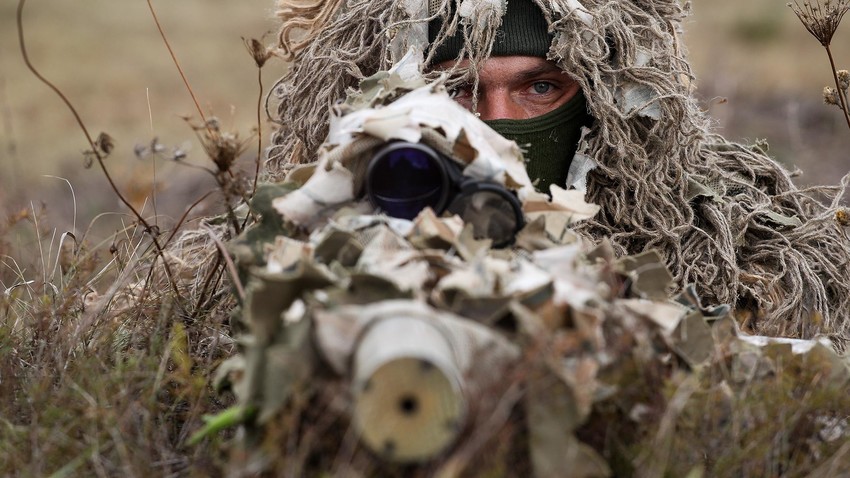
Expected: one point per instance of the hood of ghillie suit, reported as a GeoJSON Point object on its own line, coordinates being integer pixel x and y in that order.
{"type": "Point", "coordinates": [725, 216]}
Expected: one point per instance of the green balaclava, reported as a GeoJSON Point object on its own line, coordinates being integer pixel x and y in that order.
{"type": "Point", "coordinates": [549, 141]}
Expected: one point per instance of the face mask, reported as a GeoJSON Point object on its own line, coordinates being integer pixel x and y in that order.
{"type": "Point", "coordinates": [549, 141]}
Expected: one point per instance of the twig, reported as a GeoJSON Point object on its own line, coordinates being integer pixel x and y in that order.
{"type": "Point", "coordinates": [185, 215]}
{"type": "Point", "coordinates": [841, 96]}
{"type": "Point", "coordinates": [259, 130]}
{"type": "Point", "coordinates": [259, 143]}
{"type": "Point", "coordinates": [176, 63]}
{"type": "Point", "coordinates": [231, 268]}
{"type": "Point", "coordinates": [153, 163]}
{"type": "Point", "coordinates": [201, 299]}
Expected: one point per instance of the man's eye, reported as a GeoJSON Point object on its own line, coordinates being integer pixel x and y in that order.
{"type": "Point", "coordinates": [542, 87]}
{"type": "Point", "coordinates": [459, 92]}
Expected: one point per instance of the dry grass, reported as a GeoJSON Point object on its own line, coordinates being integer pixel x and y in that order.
{"type": "Point", "coordinates": [106, 353]}
{"type": "Point", "coordinates": [101, 384]}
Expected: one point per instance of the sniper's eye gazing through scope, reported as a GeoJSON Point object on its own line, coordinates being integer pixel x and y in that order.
{"type": "Point", "coordinates": [404, 178]}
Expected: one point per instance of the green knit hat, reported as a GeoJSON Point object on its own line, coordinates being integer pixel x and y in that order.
{"type": "Point", "coordinates": [523, 32]}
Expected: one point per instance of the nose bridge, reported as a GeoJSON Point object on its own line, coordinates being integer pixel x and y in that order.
{"type": "Point", "coordinates": [497, 103]}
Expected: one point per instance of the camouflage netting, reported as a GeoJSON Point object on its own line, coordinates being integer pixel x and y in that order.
{"type": "Point", "coordinates": [725, 216]}
{"type": "Point", "coordinates": [565, 361]}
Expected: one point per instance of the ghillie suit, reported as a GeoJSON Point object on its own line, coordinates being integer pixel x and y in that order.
{"type": "Point", "coordinates": [725, 216]}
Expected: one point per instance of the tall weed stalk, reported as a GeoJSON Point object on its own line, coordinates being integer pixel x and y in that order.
{"type": "Point", "coordinates": [821, 19]}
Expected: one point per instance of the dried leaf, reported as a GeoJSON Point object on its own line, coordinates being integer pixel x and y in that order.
{"type": "Point", "coordinates": [698, 189]}
{"type": "Point", "coordinates": [229, 375]}
{"type": "Point", "coordinates": [328, 188]}
{"type": "Point", "coordinates": [572, 288]}
{"type": "Point", "coordinates": [571, 203]}
{"type": "Point", "coordinates": [336, 245]}
{"type": "Point", "coordinates": [364, 288]}
{"type": "Point", "coordinates": [689, 297]}
{"type": "Point", "coordinates": [633, 97]}
{"type": "Point", "coordinates": [287, 366]}
{"type": "Point", "coordinates": [269, 295]}
{"type": "Point", "coordinates": [650, 277]}
{"type": "Point", "coordinates": [286, 253]}
{"type": "Point", "coordinates": [666, 315]}
{"type": "Point", "coordinates": [534, 236]}
{"type": "Point", "coordinates": [580, 167]}
{"type": "Point", "coordinates": [336, 335]}
{"type": "Point", "coordinates": [693, 340]}
{"type": "Point", "coordinates": [431, 232]}
{"type": "Point", "coordinates": [781, 220]}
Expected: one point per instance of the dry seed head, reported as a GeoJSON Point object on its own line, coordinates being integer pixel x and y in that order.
{"type": "Point", "coordinates": [821, 19]}
{"type": "Point", "coordinates": [830, 96]}
{"type": "Point", "coordinates": [101, 148]}
{"type": "Point", "coordinates": [258, 51]}
{"type": "Point", "coordinates": [842, 217]}
{"type": "Point", "coordinates": [179, 154]}
{"type": "Point", "coordinates": [843, 79]}
{"type": "Point", "coordinates": [141, 151]}
{"type": "Point", "coordinates": [104, 143]}
{"type": "Point", "coordinates": [223, 148]}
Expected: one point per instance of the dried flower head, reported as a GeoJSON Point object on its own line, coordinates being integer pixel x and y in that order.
{"type": "Point", "coordinates": [842, 217]}
{"type": "Point", "coordinates": [104, 143]}
{"type": "Point", "coordinates": [843, 79]}
{"type": "Point", "coordinates": [101, 148]}
{"type": "Point", "coordinates": [258, 51]}
{"type": "Point", "coordinates": [830, 96]}
{"type": "Point", "coordinates": [821, 19]}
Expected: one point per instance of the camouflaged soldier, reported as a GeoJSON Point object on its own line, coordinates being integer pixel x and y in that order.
{"type": "Point", "coordinates": [725, 216]}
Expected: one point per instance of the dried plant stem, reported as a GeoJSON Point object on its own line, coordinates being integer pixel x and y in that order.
{"type": "Point", "coordinates": [176, 63]}
{"type": "Point", "coordinates": [231, 267]}
{"type": "Point", "coordinates": [185, 215]}
{"type": "Point", "coordinates": [94, 148]}
{"type": "Point", "coordinates": [202, 297]}
{"type": "Point", "coordinates": [842, 97]}
{"type": "Point", "coordinates": [259, 129]}
{"type": "Point", "coordinates": [259, 141]}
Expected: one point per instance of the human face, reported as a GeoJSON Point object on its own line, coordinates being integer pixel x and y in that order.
{"type": "Point", "coordinates": [516, 87]}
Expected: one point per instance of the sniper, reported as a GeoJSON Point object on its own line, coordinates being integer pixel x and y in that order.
{"type": "Point", "coordinates": [599, 96]}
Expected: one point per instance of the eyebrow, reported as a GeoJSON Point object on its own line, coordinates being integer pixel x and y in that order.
{"type": "Point", "coordinates": [537, 71]}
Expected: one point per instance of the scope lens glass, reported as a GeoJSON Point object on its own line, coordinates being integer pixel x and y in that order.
{"type": "Point", "coordinates": [405, 180]}
{"type": "Point", "coordinates": [492, 213]}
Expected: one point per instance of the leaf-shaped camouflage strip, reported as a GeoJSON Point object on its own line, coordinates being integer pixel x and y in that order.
{"type": "Point", "coordinates": [249, 247]}
{"type": "Point", "coordinates": [271, 294]}
{"type": "Point", "coordinates": [650, 277]}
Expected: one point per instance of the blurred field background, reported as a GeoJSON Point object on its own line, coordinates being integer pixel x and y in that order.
{"type": "Point", "coordinates": [759, 74]}
{"type": "Point", "coordinates": [109, 59]}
